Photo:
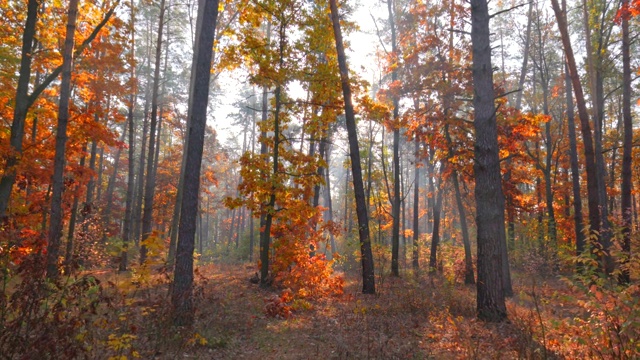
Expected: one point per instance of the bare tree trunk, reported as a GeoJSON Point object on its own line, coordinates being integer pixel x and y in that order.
{"type": "Point", "coordinates": [106, 220]}
{"type": "Point", "coordinates": [182, 290]}
{"type": "Point", "coordinates": [395, 204]}
{"type": "Point", "coordinates": [627, 144]}
{"type": "Point", "coordinates": [435, 235]}
{"type": "Point", "coordinates": [55, 225]}
{"type": "Point", "coordinates": [72, 223]}
{"type": "Point", "coordinates": [488, 191]}
{"type": "Point", "coordinates": [126, 228]}
{"type": "Point", "coordinates": [416, 209]}
{"type": "Point", "coordinates": [150, 183]}
{"type": "Point", "coordinates": [368, 277]}
{"type": "Point", "coordinates": [468, 261]}
{"type": "Point", "coordinates": [328, 200]}
{"type": "Point", "coordinates": [592, 183]}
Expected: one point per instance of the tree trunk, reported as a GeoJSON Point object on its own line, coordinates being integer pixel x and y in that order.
{"type": "Point", "coordinates": [20, 108]}
{"type": "Point", "coordinates": [265, 240]}
{"type": "Point", "coordinates": [468, 261]}
{"type": "Point", "coordinates": [592, 183]}
{"type": "Point", "coordinates": [126, 228]}
{"type": "Point", "coordinates": [182, 290]}
{"type": "Point", "coordinates": [175, 219]}
{"type": "Point", "coordinates": [395, 204]}
{"type": "Point", "coordinates": [627, 144]}
{"type": "Point", "coordinates": [55, 224]}
{"type": "Point", "coordinates": [435, 235]}
{"type": "Point", "coordinates": [488, 191]}
{"type": "Point", "coordinates": [68, 265]}
{"type": "Point", "coordinates": [150, 181]}
{"type": "Point", "coordinates": [328, 200]}
{"type": "Point", "coordinates": [368, 277]}
{"type": "Point", "coordinates": [416, 209]}
{"type": "Point", "coordinates": [106, 220]}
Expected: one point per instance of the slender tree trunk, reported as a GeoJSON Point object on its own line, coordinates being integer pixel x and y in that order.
{"type": "Point", "coordinates": [20, 108]}
{"type": "Point", "coordinates": [55, 225]}
{"type": "Point", "coordinates": [468, 261]}
{"type": "Point", "coordinates": [265, 241]}
{"type": "Point", "coordinates": [72, 223]}
{"type": "Point", "coordinates": [150, 183]}
{"type": "Point", "coordinates": [416, 209]}
{"type": "Point", "coordinates": [137, 211]}
{"type": "Point", "coordinates": [175, 219]}
{"type": "Point", "coordinates": [128, 212]}
{"type": "Point", "coordinates": [488, 191]}
{"type": "Point", "coordinates": [395, 205]}
{"type": "Point", "coordinates": [435, 235]}
{"type": "Point", "coordinates": [627, 144]}
{"type": "Point", "coordinates": [592, 183]}
{"type": "Point", "coordinates": [594, 66]}
{"type": "Point", "coordinates": [263, 147]}
{"type": "Point", "coordinates": [368, 277]}
{"type": "Point", "coordinates": [182, 290]}
{"type": "Point", "coordinates": [328, 200]}
{"type": "Point", "coordinates": [126, 228]}
{"type": "Point", "coordinates": [110, 189]}
{"type": "Point", "coordinates": [100, 172]}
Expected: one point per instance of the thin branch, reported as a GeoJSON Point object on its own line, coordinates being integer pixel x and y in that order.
{"type": "Point", "coordinates": [49, 79]}
{"type": "Point", "coordinates": [507, 10]}
{"type": "Point", "coordinates": [378, 33]}
{"type": "Point", "coordinates": [508, 93]}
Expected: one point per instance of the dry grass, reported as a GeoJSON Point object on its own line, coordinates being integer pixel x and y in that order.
{"type": "Point", "coordinates": [412, 317]}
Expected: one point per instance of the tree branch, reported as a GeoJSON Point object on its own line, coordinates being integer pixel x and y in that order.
{"type": "Point", "coordinates": [54, 74]}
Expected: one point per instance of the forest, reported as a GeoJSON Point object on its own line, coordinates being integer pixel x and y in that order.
{"type": "Point", "coordinates": [340, 179]}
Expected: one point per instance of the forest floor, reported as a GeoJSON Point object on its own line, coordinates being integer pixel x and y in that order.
{"type": "Point", "coordinates": [411, 317]}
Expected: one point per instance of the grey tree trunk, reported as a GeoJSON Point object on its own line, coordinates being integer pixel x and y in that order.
{"type": "Point", "coordinates": [182, 290]}
{"type": "Point", "coordinates": [20, 107]}
{"type": "Point", "coordinates": [415, 256]}
{"type": "Point", "coordinates": [150, 181]}
{"type": "Point", "coordinates": [627, 144]}
{"type": "Point", "coordinates": [368, 277]}
{"type": "Point", "coordinates": [469, 277]}
{"type": "Point", "coordinates": [106, 218]}
{"type": "Point", "coordinates": [488, 191]}
{"type": "Point", "coordinates": [590, 164]}
{"type": "Point", "coordinates": [265, 239]}
{"type": "Point", "coordinates": [68, 265]}
{"type": "Point", "coordinates": [395, 204]}
{"type": "Point", "coordinates": [55, 223]}
{"type": "Point", "coordinates": [435, 234]}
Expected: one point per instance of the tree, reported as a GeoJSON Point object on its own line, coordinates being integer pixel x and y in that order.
{"type": "Point", "coordinates": [150, 179]}
{"type": "Point", "coordinates": [368, 278]}
{"type": "Point", "coordinates": [626, 199]}
{"type": "Point", "coordinates": [488, 191]}
{"type": "Point", "coordinates": [55, 228]}
{"type": "Point", "coordinates": [182, 290]}
{"type": "Point", "coordinates": [590, 163]}
{"type": "Point", "coordinates": [395, 212]}
{"type": "Point", "coordinates": [24, 100]}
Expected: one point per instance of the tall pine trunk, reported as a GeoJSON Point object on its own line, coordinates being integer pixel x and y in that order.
{"type": "Point", "coordinates": [627, 144]}
{"type": "Point", "coordinates": [592, 183]}
{"type": "Point", "coordinates": [182, 290]}
{"type": "Point", "coordinates": [488, 191]}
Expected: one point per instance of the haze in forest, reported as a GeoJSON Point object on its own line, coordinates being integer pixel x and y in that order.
{"type": "Point", "coordinates": [296, 179]}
